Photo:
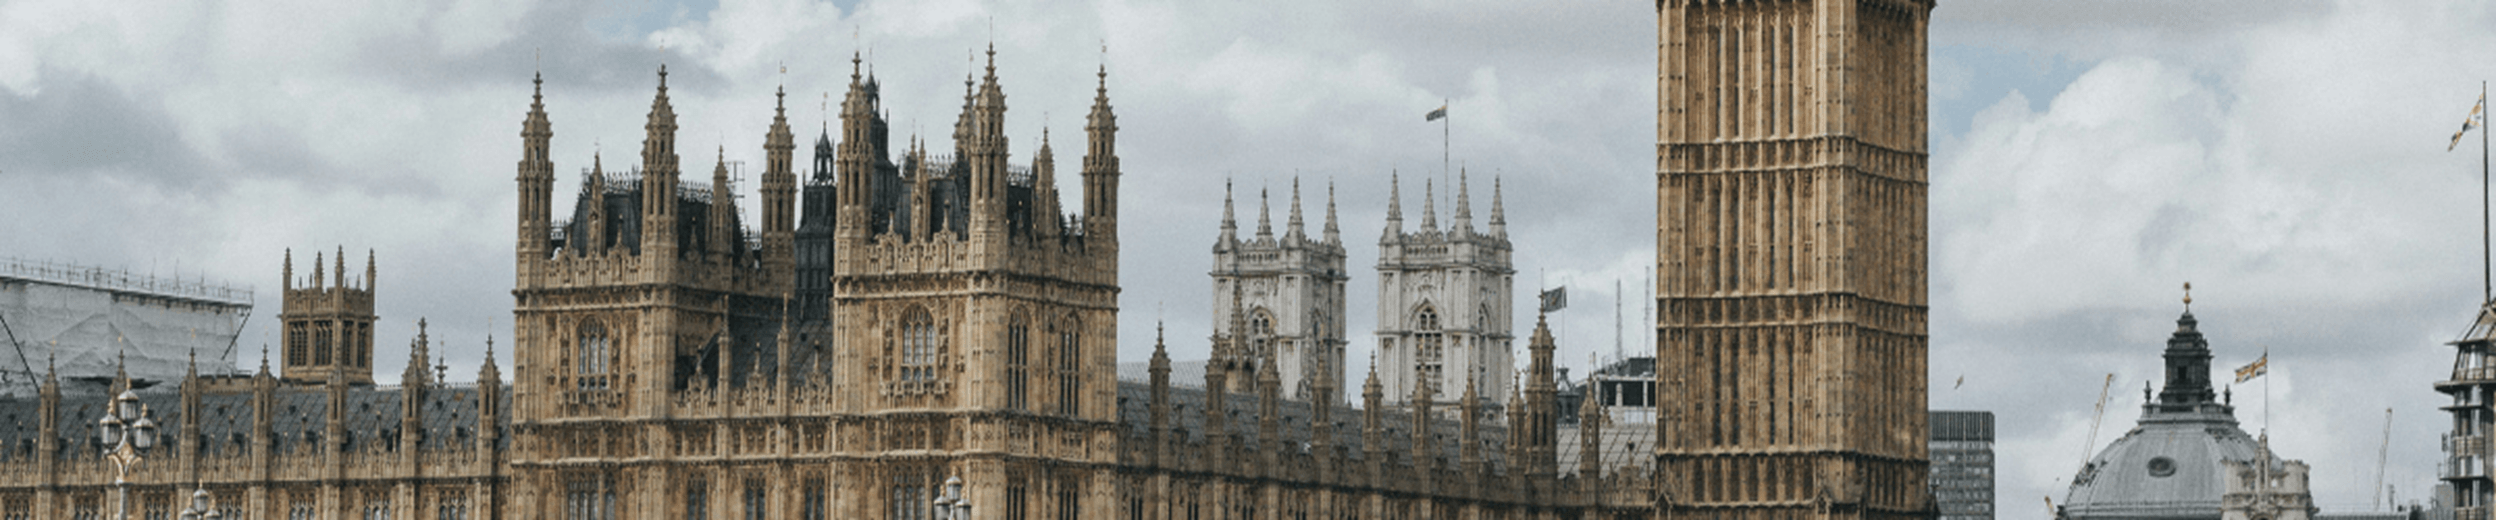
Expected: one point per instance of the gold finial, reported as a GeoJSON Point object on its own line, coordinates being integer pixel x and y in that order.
{"type": "Point", "coordinates": [2188, 296]}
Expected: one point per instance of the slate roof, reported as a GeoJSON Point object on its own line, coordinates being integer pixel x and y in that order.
{"type": "Point", "coordinates": [372, 419]}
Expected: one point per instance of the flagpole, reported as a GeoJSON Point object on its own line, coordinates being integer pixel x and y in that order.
{"type": "Point", "coordinates": [2266, 390]}
{"type": "Point", "coordinates": [1444, 133]}
{"type": "Point", "coordinates": [2487, 252]}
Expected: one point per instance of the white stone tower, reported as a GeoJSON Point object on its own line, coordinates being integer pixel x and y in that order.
{"type": "Point", "coordinates": [1444, 300]}
{"type": "Point", "coordinates": [1291, 292]}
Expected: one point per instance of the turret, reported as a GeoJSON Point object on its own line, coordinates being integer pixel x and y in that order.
{"type": "Point", "coordinates": [857, 157]}
{"type": "Point", "coordinates": [659, 179]}
{"type": "Point", "coordinates": [414, 384]}
{"type": "Point", "coordinates": [1590, 422]}
{"type": "Point", "coordinates": [536, 178]}
{"type": "Point", "coordinates": [1046, 216]}
{"type": "Point", "coordinates": [1159, 424]}
{"type": "Point", "coordinates": [1100, 166]}
{"type": "Point", "coordinates": [779, 190]}
{"type": "Point", "coordinates": [489, 400]}
{"type": "Point", "coordinates": [1269, 419]}
{"type": "Point", "coordinates": [2188, 369]}
{"type": "Point", "coordinates": [723, 233]}
{"type": "Point", "coordinates": [1540, 432]}
{"type": "Point", "coordinates": [986, 151]}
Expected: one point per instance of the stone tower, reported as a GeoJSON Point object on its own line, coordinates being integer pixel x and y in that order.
{"type": "Point", "coordinates": [976, 313]}
{"type": "Point", "coordinates": [1790, 259]}
{"type": "Point", "coordinates": [652, 290]}
{"type": "Point", "coordinates": [1293, 293]}
{"type": "Point", "coordinates": [328, 323]}
{"type": "Point", "coordinates": [1443, 299]}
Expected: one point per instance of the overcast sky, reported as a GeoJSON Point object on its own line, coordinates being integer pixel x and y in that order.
{"type": "Point", "coordinates": [2089, 157]}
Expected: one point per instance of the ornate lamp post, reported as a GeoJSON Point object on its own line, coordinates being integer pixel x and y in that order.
{"type": "Point", "coordinates": [126, 431]}
{"type": "Point", "coordinates": [952, 505]}
{"type": "Point", "coordinates": [202, 507]}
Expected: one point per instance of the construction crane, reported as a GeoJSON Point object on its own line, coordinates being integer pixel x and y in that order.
{"type": "Point", "coordinates": [2382, 453]}
{"type": "Point", "coordinates": [2094, 420]}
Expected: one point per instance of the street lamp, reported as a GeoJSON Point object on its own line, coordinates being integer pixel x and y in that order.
{"type": "Point", "coordinates": [952, 505]}
{"type": "Point", "coordinates": [202, 507]}
{"type": "Point", "coordinates": [126, 431]}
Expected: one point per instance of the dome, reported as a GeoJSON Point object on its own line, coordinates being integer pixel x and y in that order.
{"type": "Point", "coordinates": [2171, 466]}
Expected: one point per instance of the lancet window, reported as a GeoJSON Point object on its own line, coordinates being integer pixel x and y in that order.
{"type": "Point", "coordinates": [1429, 348]}
{"type": "Point", "coordinates": [1068, 369]}
{"type": "Point", "coordinates": [1017, 361]}
{"type": "Point", "coordinates": [918, 356]}
{"type": "Point", "coordinates": [593, 357]}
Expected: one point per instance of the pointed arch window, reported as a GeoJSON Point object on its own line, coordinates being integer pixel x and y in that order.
{"type": "Point", "coordinates": [1018, 361]}
{"type": "Point", "coordinates": [918, 345]}
{"type": "Point", "coordinates": [593, 356]}
{"type": "Point", "coordinates": [1068, 366]}
{"type": "Point", "coordinates": [1429, 348]}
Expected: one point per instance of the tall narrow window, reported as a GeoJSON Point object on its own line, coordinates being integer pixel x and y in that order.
{"type": "Point", "coordinates": [1429, 349]}
{"type": "Point", "coordinates": [298, 336]}
{"type": "Point", "coordinates": [1070, 498]}
{"type": "Point", "coordinates": [594, 354]}
{"type": "Point", "coordinates": [588, 497]}
{"type": "Point", "coordinates": [697, 499]}
{"type": "Point", "coordinates": [918, 346]}
{"type": "Point", "coordinates": [755, 505]}
{"type": "Point", "coordinates": [1069, 364]}
{"type": "Point", "coordinates": [910, 498]}
{"type": "Point", "coordinates": [1017, 362]}
{"type": "Point", "coordinates": [813, 509]}
{"type": "Point", "coordinates": [324, 336]}
{"type": "Point", "coordinates": [363, 345]}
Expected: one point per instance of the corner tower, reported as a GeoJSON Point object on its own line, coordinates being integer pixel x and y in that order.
{"type": "Point", "coordinates": [1444, 305]}
{"type": "Point", "coordinates": [328, 324]}
{"type": "Point", "coordinates": [1790, 258]}
{"type": "Point", "coordinates": [1293, 294]}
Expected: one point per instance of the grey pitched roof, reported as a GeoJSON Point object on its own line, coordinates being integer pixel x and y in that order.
{"type": "Point", "coordinates": [372, 418]}
{"type": "Point", "coordinates": [1188, 420]}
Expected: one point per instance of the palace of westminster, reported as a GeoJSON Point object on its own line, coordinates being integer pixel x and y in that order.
{"type": "Point", "coordinates": [906, 329]}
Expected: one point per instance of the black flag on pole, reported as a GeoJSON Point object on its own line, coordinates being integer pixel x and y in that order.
{"type": "Point", "coordinates": [1556, 299]}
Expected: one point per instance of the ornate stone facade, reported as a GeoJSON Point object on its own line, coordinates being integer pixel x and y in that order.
{"type": "Point", "coordinates": [1292, 289]}
{"type": "Point", "coordinates": [1444, 310]}
{"type": "Point", "coordinates": [971, 324]}
{"type": "Point", "coordinates": [1791, 259]}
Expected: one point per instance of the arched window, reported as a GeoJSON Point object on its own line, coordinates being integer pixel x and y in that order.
{"type": "Point", "coordinates": [1260, 334]}
{"type": "Point", "coordinates": [1069, 366]}
{"type": "Point", "coordinates": [918, 345]}
{"type": "Point", "coordinates": [593, 356]}
{"type": "Point", "coordinates": [297, 336]}
{"type": "Point", "coordinates": [1018, 361]}
{"type": "Point", "coordinates": [1429, 348]}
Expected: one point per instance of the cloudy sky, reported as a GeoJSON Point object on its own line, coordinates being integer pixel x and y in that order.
{"type": "Point", "coordinates": [2089, 157]}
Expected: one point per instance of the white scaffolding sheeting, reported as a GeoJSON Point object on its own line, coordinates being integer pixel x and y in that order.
{"type": "Point", "coordinates": [82, 320]}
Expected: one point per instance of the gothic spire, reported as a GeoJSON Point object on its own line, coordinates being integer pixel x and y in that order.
{"type": "Point", "coordinates": [1230, 225]}
{"type": "Point", "coordinates": [1296, 232]}
{"type": "Point", "coordinates": [1429, 205]}
{"type": "Point", "coordinates": [1334, 236]}
{"type": "Point", "coordinates": [1395, 205]}
{"type": "Point", "coordinates": [1499, 215]}
{"type": "Point", "coordinates": [1265, 216]}
{"type": "Point", "coordinates": [1464, 204]}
